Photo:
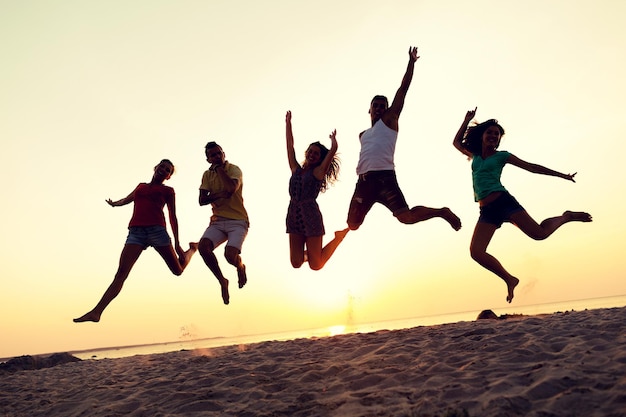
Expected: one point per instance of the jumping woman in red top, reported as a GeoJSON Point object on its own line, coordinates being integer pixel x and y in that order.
{"type": "Point", "coordinates": [147, 228]}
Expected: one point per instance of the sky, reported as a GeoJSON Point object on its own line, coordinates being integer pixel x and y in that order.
{"type": "Point", "coordinates": [94, 93]}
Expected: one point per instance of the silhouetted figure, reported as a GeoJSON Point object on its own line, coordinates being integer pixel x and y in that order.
{"type": "Point", "coordinates": [377, 181]}
{"type": "Point", "coordinates": [304, 218]}
{"type": "Point", "coordinates": [480, 144]}
{"type": "Point", "coordinates": [221, 187]}
{"type": "Point", "coordinates": [147, 227]}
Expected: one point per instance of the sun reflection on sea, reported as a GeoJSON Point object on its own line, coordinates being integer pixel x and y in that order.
{"type": "Point", "coordinates": [336, 330]}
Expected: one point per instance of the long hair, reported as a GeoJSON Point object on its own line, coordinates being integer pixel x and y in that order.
{"type": "Point", "coordinates": [332, 174]}
{"type": "Point", "coordinates": [473, 139]}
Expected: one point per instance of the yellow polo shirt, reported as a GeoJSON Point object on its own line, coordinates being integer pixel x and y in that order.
{"type": "Point", "coordinates": [230, 208]}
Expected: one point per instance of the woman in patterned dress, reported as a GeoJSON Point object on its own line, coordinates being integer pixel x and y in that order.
{"type": "Point", "coordinates": [304, 218]}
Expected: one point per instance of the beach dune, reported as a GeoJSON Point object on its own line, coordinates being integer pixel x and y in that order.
{"type": "Point", "coordinates": [561, 364]}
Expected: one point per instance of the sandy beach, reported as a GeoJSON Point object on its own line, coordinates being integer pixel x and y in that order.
{"type": "Point", "coordinates": [561, 364]}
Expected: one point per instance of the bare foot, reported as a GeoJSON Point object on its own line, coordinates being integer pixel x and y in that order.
{"type": "Point", "coordinates": [241, 274]}
{"type": "Point", "coordinates": [224, 286]}
{"type": "Point", "coordinates": [340, 234]}
{"type": "Point", "coordinates": [451, 218]}
{"type": "Point", "coordinates": [91, 316]}
{"type": "Point", "coordinates": [511, 286]}
{"type": "Point", "coordinates": [577, 216]}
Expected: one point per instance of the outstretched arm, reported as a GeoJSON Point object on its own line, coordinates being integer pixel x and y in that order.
{"type": "Point", "coordinates": [538, 169]}
{"type": "Point", "coordinates": [461, 133]}
{"type": "Point", "coordinates": [291, 153]}
{"type": "Point", "coordinates": [321, 170]}
{"type": "Point", "coordinates": [122, 202]}
{"type": "Point", "coordinates": [392, 114]}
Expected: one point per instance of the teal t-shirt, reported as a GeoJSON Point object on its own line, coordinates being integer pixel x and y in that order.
{"type": "Point", "coordinates": [486, 174]}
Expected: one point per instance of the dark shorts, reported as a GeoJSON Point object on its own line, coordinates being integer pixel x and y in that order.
{"type": "Point", "coordinates": [499, 210]}
{"type": "Point", "coordinates": [375, 187]}
{"type": "Point", "coordinates": [145, 236]}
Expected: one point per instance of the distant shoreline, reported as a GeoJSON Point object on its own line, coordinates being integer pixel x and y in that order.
{"type": "Point", "coordinates": [394, 324]}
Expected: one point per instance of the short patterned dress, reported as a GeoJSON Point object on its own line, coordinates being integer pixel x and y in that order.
{"type": "Point", "coordinates": [303, 215]}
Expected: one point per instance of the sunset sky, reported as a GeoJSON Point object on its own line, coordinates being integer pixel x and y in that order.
{"type": "Point", "coordinates": [95, 93]}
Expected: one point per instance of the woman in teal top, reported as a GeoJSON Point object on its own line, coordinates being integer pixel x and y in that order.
{"type": "Point", "coordinates": [480, 144]}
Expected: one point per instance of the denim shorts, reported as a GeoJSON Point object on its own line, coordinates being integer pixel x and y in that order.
{"type": "Point", "coordinates": [499, 210]}
{"type": "Point", "coordinates": [145, 236]}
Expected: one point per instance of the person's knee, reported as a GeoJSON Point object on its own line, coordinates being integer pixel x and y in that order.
{"type": "Point", "coordinates": [477, 254]}
{"type": "Point", "coordinates": [539, 235]}
{"type": "Point", "coordinates": [232, 255]}
{"type": "Point", "coordinates": [354, 226]}
{"type": "Point", "coordinates": [315, 266]}
{"type": "Point", "coordinates": [205, 246]}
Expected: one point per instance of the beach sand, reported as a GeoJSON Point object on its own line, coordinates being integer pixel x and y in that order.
{"type": "Point", "coordinates": [561, 364]}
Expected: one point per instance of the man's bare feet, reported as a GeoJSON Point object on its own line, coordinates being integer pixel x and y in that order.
{"type": "Point", "coordinates": [451, 218]}
{"type": "Point", "coordinates": [224, 287]}
{"type": "Point", "coordinates": [577, 216]}
{"type": "Point", "coordinates": [91, 316]}
{"type": "Point", "coordinates": [241, 274]}
{"type": "Point", "coordinates": [511, 284]}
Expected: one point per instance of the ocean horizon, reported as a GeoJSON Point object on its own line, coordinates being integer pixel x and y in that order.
{"type": "Point", "coordinates": [112, 352]}
{"type": "Point", "coordinates": [218, 341]}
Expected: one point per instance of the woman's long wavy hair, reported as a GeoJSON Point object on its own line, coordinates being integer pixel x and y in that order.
{"type": "Point", "coordinates": [473, 139]}
{"type": "Point", "coordinates": [332, 174]}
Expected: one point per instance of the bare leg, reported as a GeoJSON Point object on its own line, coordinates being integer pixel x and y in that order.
{"type": "Point", "coordinates": [317, 255]}
{"type": "Point", "coordinates": [205, 247]}
{"type": "Point", "coordinates": [421, 213]}
{"type": "Point", "coordinates": [478, 249]}
{"type": "Point", "coordinates": [231, 254]}
{"type": "Point", "coordinates": [297, 254]}
{"type": "Point", "coordinates": [129, 256]}
{"type": "Point", "coordinates": [541, 231]}
{"type": "Point", "coordinates": [177, 264]}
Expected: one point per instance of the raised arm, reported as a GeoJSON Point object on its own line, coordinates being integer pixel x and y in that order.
{"type": "Point", "coordinates": [291, 153]}
{"type": "Point", "coordinates": [321, 170]}
{"type": "Point", "coordinates": [538, 169]}
{"type": "Point", "coordinates": [461, 133]}
{"type": "Point", "coordinates": [392, 114]}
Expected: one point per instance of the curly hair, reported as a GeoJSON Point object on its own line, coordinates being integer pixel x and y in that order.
{"type": "Point", "coordinates": [332, 174]}
{"type": "Point", "coordinates": [473, 139]}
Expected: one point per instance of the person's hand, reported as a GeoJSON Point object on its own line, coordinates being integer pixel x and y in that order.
{"type": "Point", "coordinates": [288, 117]}
{"type": "Point", "coordinates": [570, 177]}
{"type": "Point", "coordinates": [214, 166]}
{"type": "Point", "coordinates": [470, 114]}
{"type": "Point", "coordinates": [413, 53]}
{"type": "Point", "coordinates": [110, 202]}
{"type": "Point", "coordinates": [333, 137]}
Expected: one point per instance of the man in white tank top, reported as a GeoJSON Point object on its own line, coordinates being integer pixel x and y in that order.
{"type": "Point", "coordinates": [377, 181]}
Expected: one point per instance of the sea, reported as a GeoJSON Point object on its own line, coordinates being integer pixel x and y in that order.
{"type": "Point", "coordinates": [547, 308]}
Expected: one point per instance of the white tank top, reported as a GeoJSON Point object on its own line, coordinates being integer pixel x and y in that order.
{"type": "Point", "coordinates": [378, 145]}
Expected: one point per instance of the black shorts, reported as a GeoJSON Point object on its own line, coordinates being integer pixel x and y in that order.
{"type": "Point", "coordinates": [499, 210]}
{"type": "Point", "coordinates": [375, 187]}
